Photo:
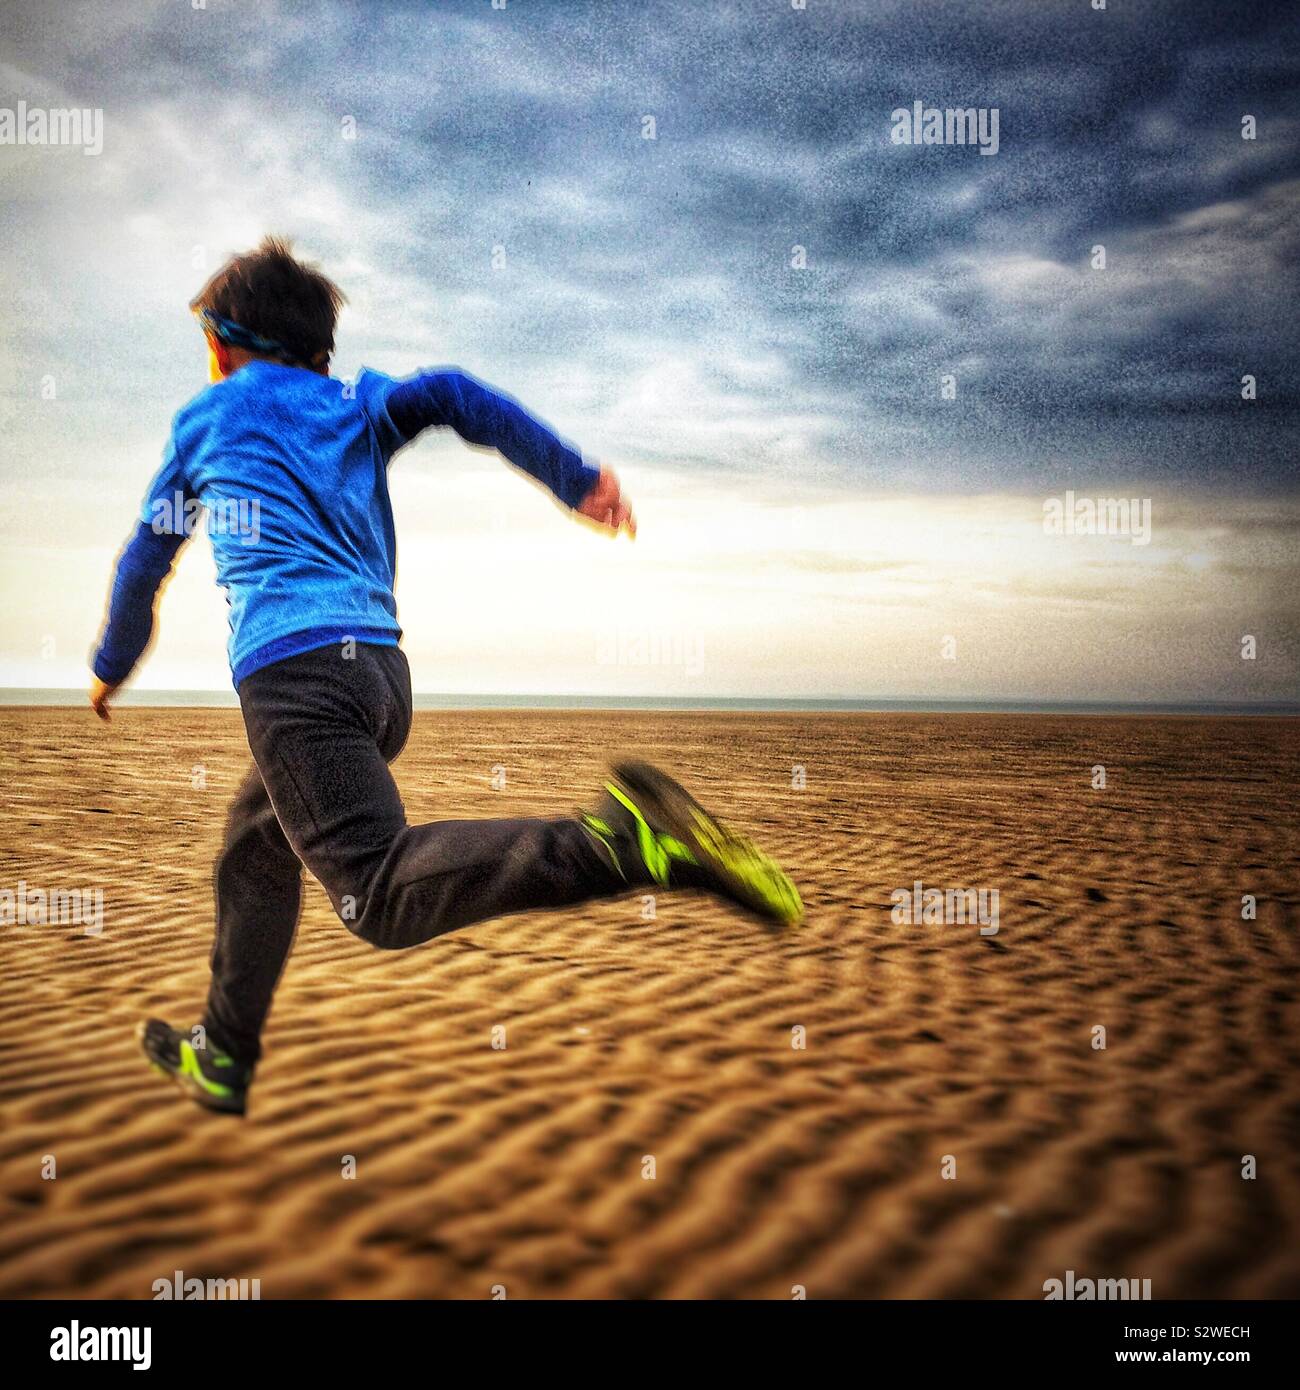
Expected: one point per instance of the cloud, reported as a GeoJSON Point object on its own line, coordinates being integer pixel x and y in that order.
{"type": "Point", "coordinates": [499, 209]}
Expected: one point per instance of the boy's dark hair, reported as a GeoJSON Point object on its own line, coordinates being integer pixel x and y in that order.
{"type": "Point", "coordinates": [277, 297]}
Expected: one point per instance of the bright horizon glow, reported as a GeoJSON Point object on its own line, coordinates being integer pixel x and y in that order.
{"type": "Point", "coordinates": [750, 596]}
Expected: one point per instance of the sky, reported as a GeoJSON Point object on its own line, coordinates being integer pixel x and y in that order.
{"type": "Point", "coordinates": [840, 376]}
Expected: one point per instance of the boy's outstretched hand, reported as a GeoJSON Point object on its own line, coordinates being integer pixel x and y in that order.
{"type": "Point", "coordinates": [606, 505]}
{"type": "Point", "coordinates": [100, 694]}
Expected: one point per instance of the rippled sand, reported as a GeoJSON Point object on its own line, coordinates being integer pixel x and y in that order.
{"type": "Point", "coordinates": [775, 1166]}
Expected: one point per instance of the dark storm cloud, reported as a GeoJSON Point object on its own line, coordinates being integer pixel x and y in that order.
{"type": "Point", "coordinates": [1119, 128]}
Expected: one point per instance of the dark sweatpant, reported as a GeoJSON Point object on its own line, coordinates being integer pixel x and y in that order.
{"type": "Point", "coordinates": [323, 728]}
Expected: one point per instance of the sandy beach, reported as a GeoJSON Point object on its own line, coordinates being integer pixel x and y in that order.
{"type": "Point", "coordinates": [801, 1094]}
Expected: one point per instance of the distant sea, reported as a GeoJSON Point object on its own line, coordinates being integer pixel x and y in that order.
{"type": "Point", "coordinates": [226, 699]}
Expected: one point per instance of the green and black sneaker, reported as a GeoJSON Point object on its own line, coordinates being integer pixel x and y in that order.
{"type": "Point", "coordinates": [654, 831]}
{"type": "Point", "coordinates": [207, 1075]}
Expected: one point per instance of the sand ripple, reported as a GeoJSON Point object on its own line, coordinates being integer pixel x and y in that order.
{"type": "Point", "coordinates": [671, 1037]}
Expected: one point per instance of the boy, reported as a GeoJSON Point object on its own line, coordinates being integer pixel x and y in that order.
{"type": "Point", "coordinates": [323, 685]}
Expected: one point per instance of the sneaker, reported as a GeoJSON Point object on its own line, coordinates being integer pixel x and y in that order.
{"type": "Point", "coordinates": [654, 831]}
{"type": "Point", "coordinates": [207, 1075]}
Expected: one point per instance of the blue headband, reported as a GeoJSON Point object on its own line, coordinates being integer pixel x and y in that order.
{"type": "Point", "coordinates": [238, 336]}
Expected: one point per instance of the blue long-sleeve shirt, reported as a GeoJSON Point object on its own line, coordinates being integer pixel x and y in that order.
{"type": "Point", "coordinates": [291, 468]}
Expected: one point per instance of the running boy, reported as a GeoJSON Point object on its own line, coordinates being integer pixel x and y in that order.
{"type": "Point", "coordinates": [323, 685]}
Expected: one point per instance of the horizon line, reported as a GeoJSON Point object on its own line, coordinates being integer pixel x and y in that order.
{"type": "Point", "coordinates": [62, 697]}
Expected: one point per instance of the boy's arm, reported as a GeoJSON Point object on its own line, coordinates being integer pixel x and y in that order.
{"type": "Point", "coordinates": [143, 565]}
{"type": "Point", "coordinates": [481, 415]}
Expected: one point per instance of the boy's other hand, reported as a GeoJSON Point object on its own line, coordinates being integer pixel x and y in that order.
{"type": "Point", "coordinates": [606, 505]}
{"type": "Point", "coordinates": [100, 694]}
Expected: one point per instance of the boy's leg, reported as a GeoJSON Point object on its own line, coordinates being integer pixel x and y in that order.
{"type": "Point", "coordinates": [322, 727]}
{"type": "Point", "coordinates": [258, 891]}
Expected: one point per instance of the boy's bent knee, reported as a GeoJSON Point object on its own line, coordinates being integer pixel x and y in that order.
{"type": "Point", "coordinates": [399, 919]}
{"type": "Point", "coordinates": [366, 920]}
